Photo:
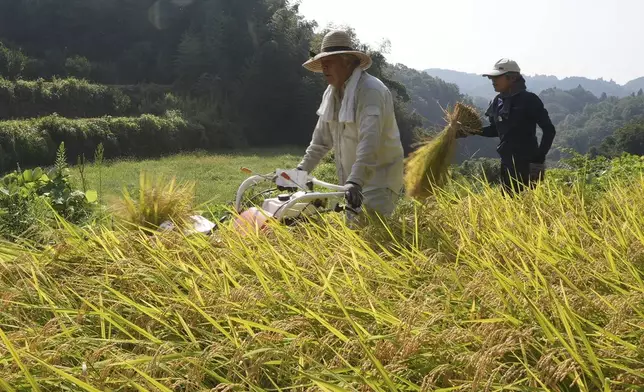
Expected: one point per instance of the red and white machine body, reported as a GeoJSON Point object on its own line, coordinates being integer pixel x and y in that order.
{"type": "Point", "coordinates": [302, 202]}
{"type": "Point", "coordinates": [298, 201]}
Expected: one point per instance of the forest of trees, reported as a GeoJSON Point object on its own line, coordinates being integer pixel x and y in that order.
{"type": "Point", "coordinates": [231, 70]}
{"type": "Point", "coordinates": [590, 124]}
{"type": "Point", "coordinates": [237, 62]}
{"type": "Point", "coordinates": [234, 67]}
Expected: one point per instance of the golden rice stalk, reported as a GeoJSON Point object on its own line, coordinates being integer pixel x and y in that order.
{"type": "Point", "coordinates": [428, 166]}
{"type": "Point", "coordinates": [158, 201]}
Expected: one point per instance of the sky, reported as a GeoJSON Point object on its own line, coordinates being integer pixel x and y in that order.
{"type": "Point", "coordinates": [591, 38]}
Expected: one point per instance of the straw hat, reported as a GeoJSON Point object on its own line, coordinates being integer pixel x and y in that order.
{"type": "Point", "coordinates": [334, 43]}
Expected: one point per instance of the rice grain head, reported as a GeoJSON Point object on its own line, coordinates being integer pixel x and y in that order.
{"type": "Point", "coordinates": [156, 201]}
{"type": "Point", "coordinates": [428, 166]}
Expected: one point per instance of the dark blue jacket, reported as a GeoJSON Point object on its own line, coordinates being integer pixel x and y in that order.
{"type": "Point", "coordinates": [514, 120]}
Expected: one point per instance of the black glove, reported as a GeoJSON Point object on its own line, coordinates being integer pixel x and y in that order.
{"type": "Point", "coordinates": [537, 171]}
{"type": "Point", "coordinates": [353, 194]}
{"type": "Point", "coordinates": [462, 131]}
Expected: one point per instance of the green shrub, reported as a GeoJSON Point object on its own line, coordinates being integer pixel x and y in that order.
{"type": "Point", "coordinates": [155, 104]}
{"type": "Point", "coordinates": [74, 98]}
{"type": "Point", "coordinates": [34, 142]}
{"type": "Point", "coordinates": [12, 62]}
{"type": "Point", "coordinates": [21, 216]}
{"type": "Point", "coordinates": [78, 66]}
{"type": "Point", "coordinates": [488, 169]}
{"type": "Point", "coordinates": [591, 175]}
{"type": "Point", "coordinates": [67, 97]}
{"type": "Point", "coordinates": [149, 98]}
{"type": "Point", "coordinates": [598, 173]}
{"type": "Point", "coordinates": [225, 129]}
{"type": "Point", "coordinates": [326, 172]}
{"type": "Point", "coordinates": [28, 199]}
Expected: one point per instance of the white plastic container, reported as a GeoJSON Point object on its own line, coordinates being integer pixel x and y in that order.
{"type": "Point", "coordinates": [273, 205]}
{"type": "Point", "coordinates": [295, 178]}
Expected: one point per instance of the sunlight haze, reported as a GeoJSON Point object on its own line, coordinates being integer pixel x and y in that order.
{"type": "Point", "coordinates": [588, 38]}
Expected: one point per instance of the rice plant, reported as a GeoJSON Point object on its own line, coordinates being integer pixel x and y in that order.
{"type": "Point", "coordinates": [463, 292]}
{"type": "Point", "coordinates": [157, 201]}
{"type": "Point", "coordinates": [427, 168]}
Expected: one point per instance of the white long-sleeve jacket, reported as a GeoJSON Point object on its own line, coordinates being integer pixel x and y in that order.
{"type": "Point", "coordinates": [368, 152]}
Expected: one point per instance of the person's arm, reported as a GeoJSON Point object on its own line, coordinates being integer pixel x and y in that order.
{"type": "Point", "coordinates": [320, 145]}
{"type": "Point", "coordinates": [370, 128]}
{"type": "Point", "coordinates": [490, 130]}
{"type": "Point", "coordinates": [542, 119]}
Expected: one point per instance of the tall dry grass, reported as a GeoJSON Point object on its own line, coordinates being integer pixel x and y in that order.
{"type": "Point", "coordinates": [467, 292]}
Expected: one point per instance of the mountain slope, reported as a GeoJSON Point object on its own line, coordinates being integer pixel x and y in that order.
{"type": "Point", "coordinates": [635, 85]}
{"type": "Point", "coordinates": [477, 86]}
{"type": "Point", "coordinates": [429, 95]}
{"type": "Point", "coordinates": [469, 83]}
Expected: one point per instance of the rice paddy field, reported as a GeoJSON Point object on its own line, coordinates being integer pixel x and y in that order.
{"type": "Point", "coordinates": [216, 175]}
{"type": "Point", "coordinates": [466, 291]}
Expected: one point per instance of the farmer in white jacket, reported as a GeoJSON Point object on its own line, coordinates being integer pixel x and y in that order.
{"type": "Point", "coordinates": [356, 119]}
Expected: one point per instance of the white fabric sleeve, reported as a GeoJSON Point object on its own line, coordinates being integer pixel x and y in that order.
{"type": "Point", "coordinates": [369, 140]}
{"type": "Point", "coordinates": [321, 144]}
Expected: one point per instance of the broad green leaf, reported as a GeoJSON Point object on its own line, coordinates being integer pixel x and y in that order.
{"type": "Point", "coordinates": [91, 196]}
{"type": "Point", "coordinates": [27, 176]}
{"type": "Point", "coordinates": [37, 174]}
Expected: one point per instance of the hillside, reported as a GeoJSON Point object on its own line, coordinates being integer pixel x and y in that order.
{"type": "Point", "coordinates": [477, 86]}
{"type": "Point", "coordinates": [429, 95]}
{"type": "Point", "coordinates": [195, 59]}
{"type": "Point", "coordinates": [635, 85]}
{"type": "Point", "coordinates": [239, 89]}
{"type": "Point", "coordinates": [197, 65]}
{"type": "Point", "coordinates": [471, 84]}
{"type": "Point", "coordinates": [561, 103]}
{"type": "Point", "coordinates": [588, 128]}
{"type": "Point", "coordinates": [584, 121]}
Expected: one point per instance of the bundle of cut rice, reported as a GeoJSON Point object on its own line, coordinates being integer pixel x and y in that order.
{"type": "Point", "coordinates": [428, 166]}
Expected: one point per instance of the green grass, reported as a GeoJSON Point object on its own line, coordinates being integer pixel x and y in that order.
{"type": "Point", "coordinates": [217, 175]}
{"type": "Point", "coordinates": [468, 292]}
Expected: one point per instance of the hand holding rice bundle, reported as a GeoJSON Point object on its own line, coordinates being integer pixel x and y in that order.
{"type": "Point", "coordinates": [428, 166]}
